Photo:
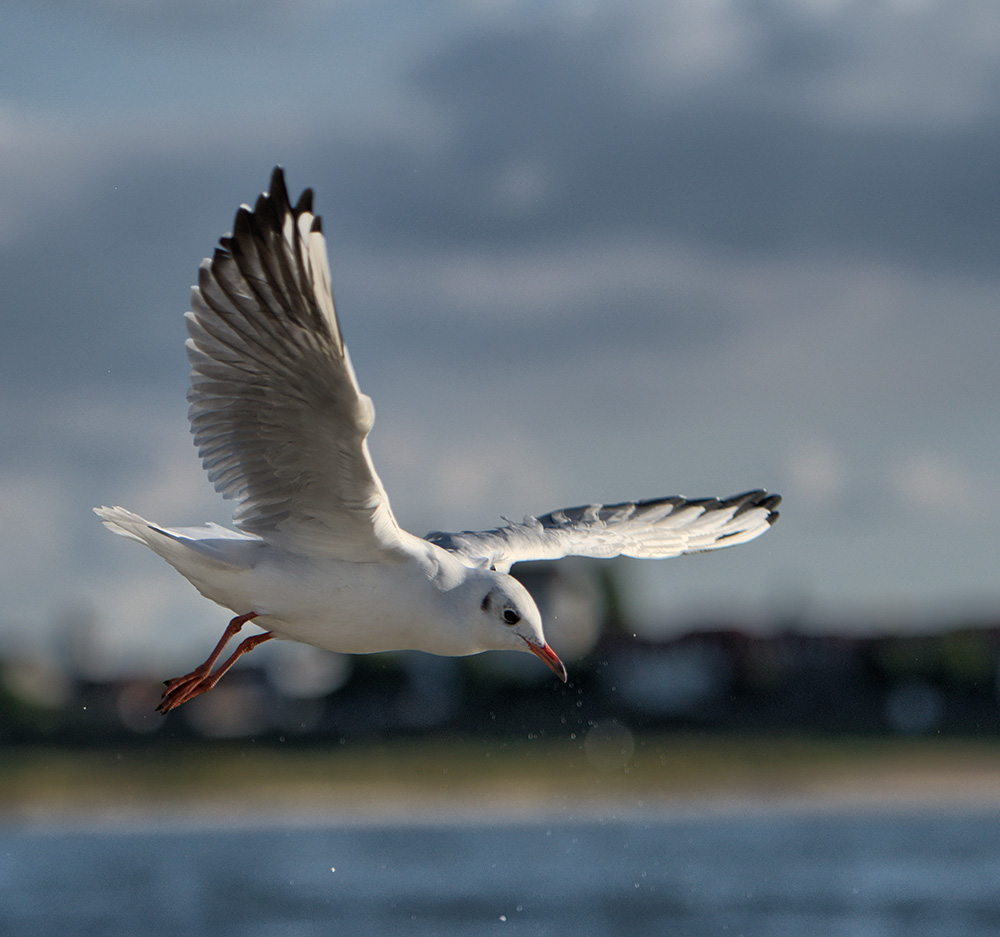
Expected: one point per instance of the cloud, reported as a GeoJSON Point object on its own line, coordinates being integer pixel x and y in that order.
{"type": "Point", "coordinates": [903, 64]}
{"type": "Point", "coordinates": [42, 165]}
{"type": "Point", "coordinates": [580, 251]}
{"type": "Point", "coordinates": [816, 470]}
{"type": "Point", "coordinates": [940, 487]}
{"type": "Point", "coordinates": [756, 158]}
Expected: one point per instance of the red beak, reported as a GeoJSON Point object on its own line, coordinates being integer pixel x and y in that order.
{"type": "Point", "coordinates": [549, 657]}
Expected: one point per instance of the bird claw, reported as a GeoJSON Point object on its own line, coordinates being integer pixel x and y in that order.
{"type": "Point", "coordinates": [181, 689]}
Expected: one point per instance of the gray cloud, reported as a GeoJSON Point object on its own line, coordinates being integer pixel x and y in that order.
{"type": "Point", "coordinates": [645, 249]}
{"type": "Point", "coordinates": [728, 164]}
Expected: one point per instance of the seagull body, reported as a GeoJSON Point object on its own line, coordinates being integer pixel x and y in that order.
{"type": "Point", "coordinates": [317, 555]}
{"type": "Point", "coordinates": [404, 600]}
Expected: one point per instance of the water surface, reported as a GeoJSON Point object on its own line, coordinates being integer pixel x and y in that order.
{"type": "Point", "coordinates": [793, 873]}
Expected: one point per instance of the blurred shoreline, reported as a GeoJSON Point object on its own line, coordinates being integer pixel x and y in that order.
{"type": "Point", "coordinates": [413, 782]}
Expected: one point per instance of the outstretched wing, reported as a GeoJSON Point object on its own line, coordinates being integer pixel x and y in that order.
{"type": "Point", "coordinates": [276, 412]}
{"type": "Point", "coordinates": [646, 529]}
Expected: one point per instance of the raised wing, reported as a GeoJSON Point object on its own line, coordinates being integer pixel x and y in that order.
{"type": "Point", "coordinates": [645, 529]}
{"type": "Point", "coordinates": [276, 412]}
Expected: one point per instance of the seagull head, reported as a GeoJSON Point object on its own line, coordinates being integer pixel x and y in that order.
{"type": "Point", "coordinates": [509, 619]}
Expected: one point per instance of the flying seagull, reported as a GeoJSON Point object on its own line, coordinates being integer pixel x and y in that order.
{"type": "Point", "coordinates": [317, 555]}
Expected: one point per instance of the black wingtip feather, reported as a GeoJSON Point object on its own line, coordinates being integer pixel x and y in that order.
{"type": "Point", "coordinates": [281, 203]}
{"type": "Point", "coordinates": [305, 203]}
{"type": "Point", "coordinates": [277, 189]}
{"type": "Point", "coordinates": [239, 226]}
{"type": "Point", "coordinates": [750, 500]}
{"type": "Point", "coordinates": [264, 201]}
{"type": "Point", "coordinates": [242, 227]}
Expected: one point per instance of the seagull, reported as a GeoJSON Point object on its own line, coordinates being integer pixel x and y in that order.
{"type": "Point", "coordinates": [317, 555]}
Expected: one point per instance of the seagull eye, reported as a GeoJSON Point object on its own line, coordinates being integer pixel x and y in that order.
{"type": "Point", "coordinates": [510, 616]}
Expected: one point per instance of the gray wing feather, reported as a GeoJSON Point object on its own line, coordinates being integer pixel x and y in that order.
{"type": "Point", "coordinates": [646, 529]}
{"type": "Point", "coordinates": [275, 408]}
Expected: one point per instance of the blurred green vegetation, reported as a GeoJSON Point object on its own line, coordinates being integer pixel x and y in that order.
{"type": "Point", "coordinates": [405, 777]}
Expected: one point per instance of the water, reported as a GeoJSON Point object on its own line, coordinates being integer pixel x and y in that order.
{"type": "Point", "coordinates": [804, 873]}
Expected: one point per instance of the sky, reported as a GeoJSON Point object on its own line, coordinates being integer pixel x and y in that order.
{"type": "Point", "coordinates": [581, 251]}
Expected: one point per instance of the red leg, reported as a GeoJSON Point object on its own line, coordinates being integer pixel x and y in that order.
{"type": "Point", "coordinates": [176, 689]}
{"type": "Point", "coordinates": [190, 689]}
